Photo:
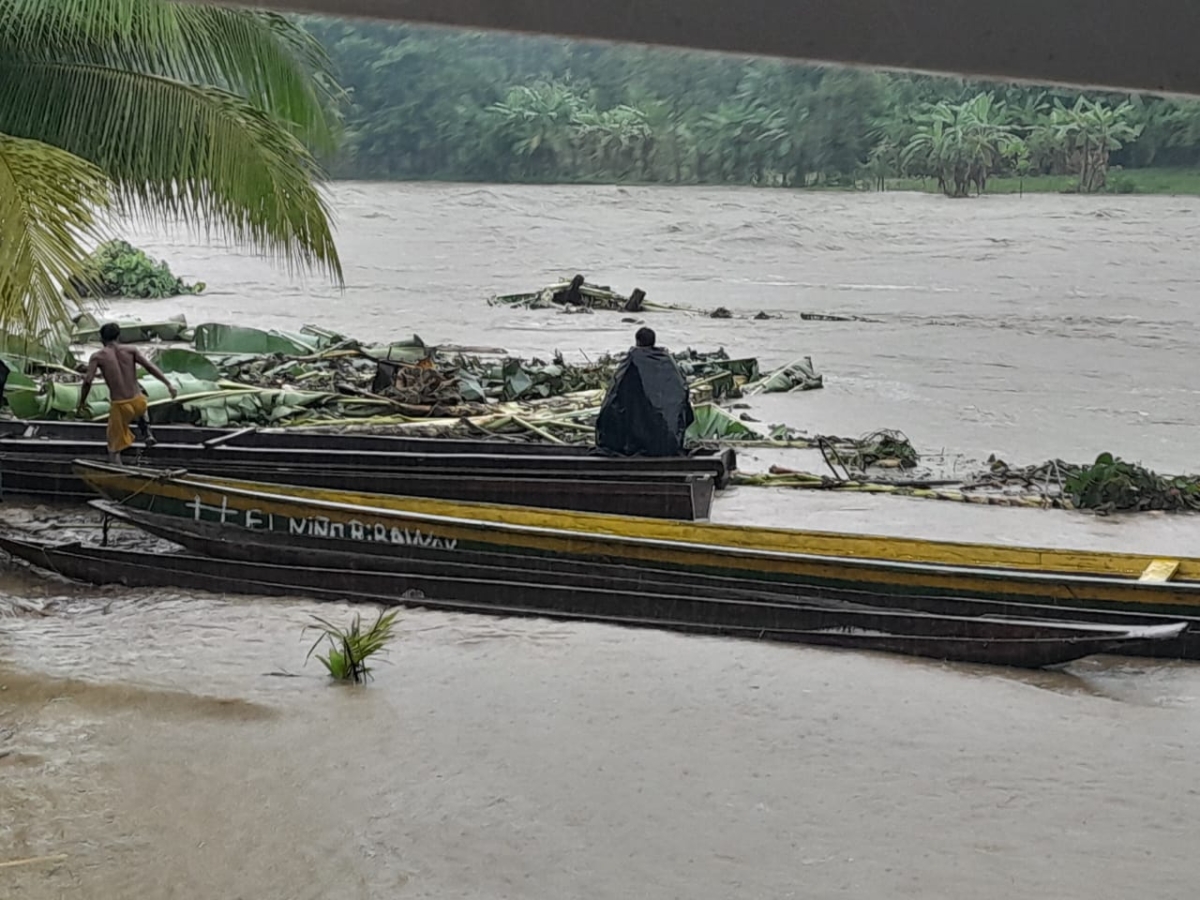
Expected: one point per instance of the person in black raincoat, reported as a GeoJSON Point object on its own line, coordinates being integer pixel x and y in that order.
{"type": "Point", "coordinates": [647, 409]}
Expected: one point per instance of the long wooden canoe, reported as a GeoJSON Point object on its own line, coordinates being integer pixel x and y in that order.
{"type": "Point", "coordinates": [375, 524]}
{"type": "Point", "coordinates": [1026, 643]}
{"type": "Point", "coordinates": [13, 431]}
{"type": "Point", "coordinates": [469, 464]}
{"type": "Point", "coordinates": [630, 493]}
{"type": "Point", "coordinates": [196, 448]}
{"type": "Point", "coordinates": [214, 540]}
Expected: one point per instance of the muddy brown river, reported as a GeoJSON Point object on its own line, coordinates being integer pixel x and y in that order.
{"type": "Point", "coordinates": [159, 745]}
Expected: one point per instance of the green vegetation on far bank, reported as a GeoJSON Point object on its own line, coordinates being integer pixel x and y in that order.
{"type": "Point", "coordinates": [1166, 181]}
{"type": "Point", "coordinates": [428, 104]}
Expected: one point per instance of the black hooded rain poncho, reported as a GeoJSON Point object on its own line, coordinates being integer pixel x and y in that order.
{"type": "Point", "coordinates": [647, 409]}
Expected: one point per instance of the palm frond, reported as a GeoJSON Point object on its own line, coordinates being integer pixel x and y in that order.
{"type": "Point", "coordinates": [263, 57]}
{"type": "Point", "coordinates": [49, 200]}
{"type": "Point", "coordinates": [200, 154]}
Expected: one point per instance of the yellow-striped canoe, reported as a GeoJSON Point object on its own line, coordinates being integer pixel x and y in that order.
{"type": "Point", "coordinates": [343, 521]}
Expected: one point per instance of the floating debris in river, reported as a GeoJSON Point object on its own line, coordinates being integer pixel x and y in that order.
{"type": "Point", "coordinates": [575, 295]}
{"type": "Point", "coordinates": [1110, 484]}
{"type": "Point", "coordinates": [798, 375]}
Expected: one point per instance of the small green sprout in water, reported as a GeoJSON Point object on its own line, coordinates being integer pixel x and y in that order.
{"type": "Point", "coordinates": [350, 648]}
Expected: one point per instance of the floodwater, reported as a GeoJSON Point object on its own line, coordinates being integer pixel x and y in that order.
{"type": "Point", "coordinates": [157, 745]}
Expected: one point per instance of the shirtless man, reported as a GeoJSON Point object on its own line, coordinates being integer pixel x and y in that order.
{"type": "Point", "coordinates": [118, 364]}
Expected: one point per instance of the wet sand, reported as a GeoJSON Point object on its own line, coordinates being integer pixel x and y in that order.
{"type": "Point", "coordinates": [158, 741]}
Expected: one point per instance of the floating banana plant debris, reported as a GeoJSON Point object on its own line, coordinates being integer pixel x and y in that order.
{"type": "Point", "coordinates": [1105, 486]}
{"type": "Point", "coordinates": [576, 295]}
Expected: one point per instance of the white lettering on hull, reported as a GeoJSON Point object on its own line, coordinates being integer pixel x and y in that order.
{"type": "Point", "coordinates": [319, 526]}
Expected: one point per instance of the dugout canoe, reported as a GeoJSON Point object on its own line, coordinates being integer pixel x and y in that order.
{"type": "Point", "coordinates": [318, 439]}
{"type": "Point", "coordinates": [630, 493]}
{"type": "Point", "coordinates": [1023, 643]}
{"type": "Point", "coordinates": [185, 445]}
{"type": "Point", "coordinates": [377, 524]}
{"type": "Point", "coordinates": [211, 539]}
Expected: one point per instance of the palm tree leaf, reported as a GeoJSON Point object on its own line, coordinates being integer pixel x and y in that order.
{"type": "Point", "coordinates": [172, 149]}
{"type": "Point", "coordinates": [48, 217]}
{"type": "Point", "coordinates": [260, 56]}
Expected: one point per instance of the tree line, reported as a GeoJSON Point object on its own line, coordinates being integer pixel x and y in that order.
{"type": "Point", "coordinates": [426, 104]}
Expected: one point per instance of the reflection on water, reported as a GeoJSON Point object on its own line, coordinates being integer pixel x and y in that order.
{"type": "Point", "coordinates": [176, 745]}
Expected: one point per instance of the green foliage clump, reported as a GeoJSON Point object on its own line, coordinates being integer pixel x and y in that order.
{"type": "Point", "coordinates": [1111, 484]}
{"type": "Point", "coordinates": [1122, 184]}
{"type": "Point", "coordinates": [118, 269]}
{"type": "Point", "coordinates": [350, 648]}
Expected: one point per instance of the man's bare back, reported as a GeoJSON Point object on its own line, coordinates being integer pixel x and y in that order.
{"type": "Point", "coordinates": [118, 364]}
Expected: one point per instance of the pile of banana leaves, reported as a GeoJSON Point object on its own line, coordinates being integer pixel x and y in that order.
{"type": "Point", "coordinates": [228, 375]}
{"type": "Point", "coordinates": [517, 379]}
{"type": "Point", "coordinates": [231, 375]}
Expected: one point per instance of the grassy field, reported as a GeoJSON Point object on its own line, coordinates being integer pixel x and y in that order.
{"type": "Point", "coordinates": [1126, 181]}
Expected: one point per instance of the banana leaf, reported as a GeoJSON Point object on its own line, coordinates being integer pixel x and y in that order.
{"type": "Point", "coordinates": [61, 399]}
{"type": "Point", "coordinates": [184, 361]}
{"type": "Point", "coordinates": [47, 349]}
{"type": "Point", "coordinates": [324, 337]}
{"type": "Point", "coordinates": [745, 368]}
{"type": "Point", "coordinates": [470, 387]}
{"type": "Point", "coordinates": [289, 369]}
{"type": "Point", "coordinates": [216, 338]}
{"type": "Point", "coordinates": [233, 362]}
{"type": "Point", "coordinates": [796, 376]}
{"type": "Point", "coordinates": [412, 350]}
{"type": "Point", "coordinates": [297, 399]}
{"type": "Point", "coordinates": [22, 393]}
{"type": "Point", "coordinates": [712, 422]}
{"type": "Point", "coordinates": [226, 408]}
{"type": "Point", "coordinates": [231, 406]}
{"type": "Point", "coordinates": [280, 413]}
{"type": "Point", "coordinates": [133, 331]}
{"type": "Point", "coordinates": [516, 380]}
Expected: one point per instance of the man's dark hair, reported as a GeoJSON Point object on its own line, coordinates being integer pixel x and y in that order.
{"type": "Point", "coordinates": [645, 337]}
{"type": "Point", "coordinates": [109, 332]}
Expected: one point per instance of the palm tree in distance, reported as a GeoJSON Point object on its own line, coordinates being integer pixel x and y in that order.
{"type": "Point", "coordinates": [159, 110]}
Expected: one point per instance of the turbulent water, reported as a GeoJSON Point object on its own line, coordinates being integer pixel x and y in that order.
{"type": "Point", "coordinates": [159, 742]}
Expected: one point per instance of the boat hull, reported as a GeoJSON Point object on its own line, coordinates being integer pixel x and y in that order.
{"type": "Point", "coordinates": [630, 493]}
{"type": "Point", "coordinates": [374, 525]}
{"type": "Point", "coordinates": [36, 460]}
{"type": "Point", "coordinates": [213, 540]}
{"type": "Point", "coordinates": [1030, 644]}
